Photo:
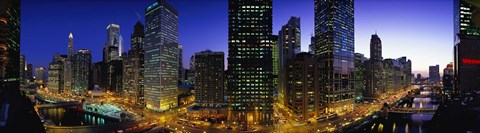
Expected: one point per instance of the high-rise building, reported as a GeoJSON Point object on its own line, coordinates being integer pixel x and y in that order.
{"type": "Point", "coordinates": [209, 86]}
{"type": "Point", "coordinates": [407, 71]}
{"type": "Point", "coordinates": [334, 35]}
{"type": "Point", "coordinates": [68, 67]}
{"type": "Point", "coordinates": [114, 46]}
{"type": "Point", "coordinates": [448, 80]}
{"type": "Point", "coordinates": [55, 74]}
{"type": "Point", "coordinates": [82, 61]}
{"type": "Point", "coordinates": [311, 47]}
{"type": "Point", "coordinates": [114, 76]}
{"type": "Point", "coordinates": [288, 46]}
{"type": "Point", "coordinates": [434, 74]}
{"type": "Point", "coordinates": [289, 40]}
{"type": "Point", "coordinates": [29, 73]}
{"type": "Point", "coordinates": [181, 70]}
{"type": "Point", "coordinates": [250, 82]}
{"type": "Point", "coordinates": [393, 79]}
{"type": "Point", "coordinates": [40, 75]}
{"type": "Point", "coordinates": [276, 67]}
{"type": "Point", "coordinates": [303, 99]}
{"type": "Point", "coordinates": [10, 44]}
{"type": "Point", "coordinates": [99, 74]}
{"type": "Point", "coordinates": [23, 67]}
{"type": "Point", "coordinates": [374, 70]}
{"type": "Point", "coordinates": [467, 45]}
{"type": "Point", "coordinates": [465, 19]}
{"type": "Point", "coordinates": [133, 67]}
{"type": "Point", "coordinates": [360, 81]}
{"type": "Point", "coordinates": [16, 111]}
{"type": "Point", "coordinates": [192, 63]}
{"type": "Point", "coordinates": [161, 56]}
{"type": "Point", "coordinates": [419, 77]}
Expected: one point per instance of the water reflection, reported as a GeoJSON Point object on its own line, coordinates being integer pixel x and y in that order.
{"type": "Point", "coordinates": [71, 117]}
{"type": "Point", "coordinates": [405, 123]}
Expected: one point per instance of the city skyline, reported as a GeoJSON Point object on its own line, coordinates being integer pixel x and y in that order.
{"type": "Point", "coordinates": [425, 16]}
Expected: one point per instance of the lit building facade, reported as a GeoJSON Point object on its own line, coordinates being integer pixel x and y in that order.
{"type": "Point", "coordinates": [133, 67]}
{"type": "Point", "coordinates": [302, 98]}
{"type": "Point", "coordinates": [9, 45]}
{"type": "Point", "coordinates": [434, 74]}
{"type": "Point", "coordinates": [68, 67]}
{"type": "Point", "coordinates": [393, 79]}
{"type": "Point", "coordinates": [114, 46]}
{"type": "Point", "coordinates": [209, 86]}
{"type": "Point", "coordinates": [40, 75]}
{"type": "Point", "coordinates": [360, 79]}
{"type": "Point", "coordinates": [55, 74]}
{"type": "Point", "coordinates": [250, 82]}
{"type": "Point", "coordinates": [288, 46]}
{"type": "Point", "coordinates": [334, 36]}
{"type": "Point", "coordinates": [374, 70]}
{"type": "Point", "coordinates": [467, 46]}
{"type": "Point", "coordinates": [82, 61]}
{"type": "Point", "coordinates": [23, 68]}
{"type": "Point", "coordinates": [447, 80]}
{"type": "Point", "coordinates": [161, 56]}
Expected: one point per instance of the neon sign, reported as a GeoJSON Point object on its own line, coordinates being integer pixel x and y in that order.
{"type": "Point", "coordinates": [468, 61]}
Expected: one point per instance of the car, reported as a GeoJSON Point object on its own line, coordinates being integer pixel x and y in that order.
{"type": "Point", "coordinates": [320, 119]}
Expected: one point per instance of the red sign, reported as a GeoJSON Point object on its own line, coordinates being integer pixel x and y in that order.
{"type": "Point", "coordinates": [468, 61]}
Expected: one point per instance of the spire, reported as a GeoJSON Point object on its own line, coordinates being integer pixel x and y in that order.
{"type": "Point", "coordinates": [70, 36]}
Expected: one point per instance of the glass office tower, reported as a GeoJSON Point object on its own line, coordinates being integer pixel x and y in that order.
{"type": "Point", "coordinates": [334, 34]}
{"type": "Point", "coordinates": [161, 56]}
{"type": "Point", "coordinates": [250, 62]}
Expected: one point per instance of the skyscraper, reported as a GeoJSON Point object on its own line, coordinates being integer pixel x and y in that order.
{"type": "Point", "coordinates": [448, 80]}
{"type": "Point", "coordinates": [311, 47]}
{"type": "Point", "coordinates": [68, 67]}
{"type": "Point", "coordinates": [29, 73]}
{"type": "Point", "coordinates": [181, 70]}
{"type": "Point", "coordinates": [161, 56]}
{"type": "Point", "coordinates": [303, 99]}
{"type": "Point", "coordinates": [133, 66]}
{"type": "Point", "coordinates": [16, 111]}
{"type": "Point", "coordinates": [10, 44]}
{"type": "Point", "coordinates": [288, 46]}
{"type": "Point", "coordinates": [209, 85]}
{"type": "Point", "coordinates": [360, 79]}
{"type": "Point", "coordinates": [374, 70]}
{"type": "Point", "coordinates": [434, 74]}
{"type": "Point", "coordinates": [55, 74]}
{"type": "Point", "coordinates": [40, 75]}
{"type": "Point", "coordinates": [23, 68]}
{"type": "Point", "coordinates": [465, 18]}
{"type": "Point", "coordinates": [467, 45]}
{"type": "Point", "coordinates": [250, 65]}
{"type": "Point", "coordinates": [334, 45]}
{"type": "Point", "coordinates": [82, 61]}
{"type": "Point", "coordinates": [114, 46]}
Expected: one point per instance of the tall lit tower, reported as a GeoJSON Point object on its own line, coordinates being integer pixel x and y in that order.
{"type": "Point", "coordinates": [133, 66]}
{"type": "Point", "coordinates": [113, 47]}
{"type": "Point", "coordinates": [70, 47]}
{"type": "Point", "coordinates": [334, 45]}
{"type": "Point", "coordinates": [67, 67]}
{"type": "Point", "coordinates": [374, 70]}
{"type": "Point", "coordinates": [161, 56]}
{"type": "Point", "coordinates": [288, 46]}
{"type": "Point", "coordinates": [250, 61]}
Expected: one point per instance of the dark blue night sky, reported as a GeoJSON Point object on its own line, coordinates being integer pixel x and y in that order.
{"type": "Point", "coordinates": [405, 27]}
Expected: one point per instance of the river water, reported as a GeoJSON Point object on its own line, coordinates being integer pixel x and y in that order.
{"type": "Point", "coordinates": [403, 123]}
{"type": "Point", "coordinates": [68, 116]}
